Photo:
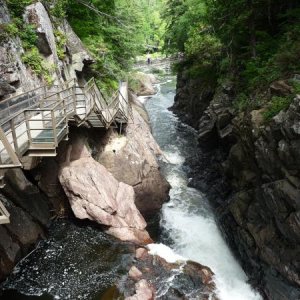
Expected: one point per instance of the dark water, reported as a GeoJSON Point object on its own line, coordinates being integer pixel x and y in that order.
{"type": "Point", "coordinates": [78, 261]}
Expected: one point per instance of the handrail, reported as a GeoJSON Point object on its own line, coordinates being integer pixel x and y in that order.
{"type": "Point", "coordinates": [40, 113]}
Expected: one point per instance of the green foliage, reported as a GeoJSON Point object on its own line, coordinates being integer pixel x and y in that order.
{"type": "Point", "coordinates": [133, 83]}
{"type": "Point", "coordinates": [16, 7]}
{"type": "Point", "coordinates": [296, 86]}
{"type": "Point", "coordinates": [181, 19]}
{"type": "Point", "coordinates": [38, 65]}
{"type": "Point", "coordinates": [58, 8]}
{"type": "Point", "coordinates": [7, 30]}
{"type": "Point", "coordinates": [241, 102]}
{"type": "Point", "coordinates": [28, 36]}
{"type": "Point", "coordinates": [115, 32]}
{"type": "Point", "coordinates": [276, 105]}
{"type": "Point", "coordinates": [61, 40]}
{"type": "Point", "coordinates": [254, 43]}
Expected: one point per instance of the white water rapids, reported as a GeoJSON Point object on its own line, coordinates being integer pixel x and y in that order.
{"type": "Point", "coordinates": [187, 219]}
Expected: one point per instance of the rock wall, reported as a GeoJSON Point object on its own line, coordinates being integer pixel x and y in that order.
{"type": "Point", "coordinates": [31, 199]}
{"type": "Point", "coordinates": [132, 158]}
{"type": "Point", "coordinates": [36, 195]}
{"type": "Point", "coordinates": [250, 170]}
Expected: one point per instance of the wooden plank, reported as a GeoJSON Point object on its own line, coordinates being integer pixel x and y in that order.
{"type": "Point", "coordinates": [4, 215]}
{"type": "Point", "coordinates": [9, 149]}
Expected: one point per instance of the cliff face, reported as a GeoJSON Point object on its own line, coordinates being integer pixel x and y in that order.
{"type": "Point", "coordinates": [35, 195]}
{"type": "Point", "coordinates": [250, 170]}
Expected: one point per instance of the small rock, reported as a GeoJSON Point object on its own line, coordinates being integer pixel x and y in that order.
{"type": "Point", "coordinates": [143, 291]}
{"type": "Point", "coordinates": [140, 253]}
{"type": "Point", "coordinates": [135, 273]}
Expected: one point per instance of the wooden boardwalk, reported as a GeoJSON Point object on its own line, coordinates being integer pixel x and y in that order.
{"type": "Point", "coordinates": [34, 123]}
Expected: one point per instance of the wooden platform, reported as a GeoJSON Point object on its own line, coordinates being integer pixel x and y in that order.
{"type": "Point", "coordinates": [34, 123]}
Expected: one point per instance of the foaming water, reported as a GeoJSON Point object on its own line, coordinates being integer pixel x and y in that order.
{"type": "Point", "coordinates": [188, 223]}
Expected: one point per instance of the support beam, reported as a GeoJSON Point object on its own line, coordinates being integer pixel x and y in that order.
{"type": "Point", "coordinates": [4, 215]}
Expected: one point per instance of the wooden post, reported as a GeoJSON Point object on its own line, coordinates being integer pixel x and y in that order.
{"type": "Point", "coordinates": [28, 128]}
{"type": "Point", "coordinates": [15, 139]}
{"type": "Point", "coordinates": [54, 127]}
{"type": "Point", "coordinates": [9, 149]}
{"type": "Point", "coordinates": [74, 97]}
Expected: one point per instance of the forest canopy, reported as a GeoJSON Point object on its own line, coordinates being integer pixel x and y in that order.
{"type": "Point", "coordinates": [250, 42]}
{"type": "Point", "coordinates": [114, 31]}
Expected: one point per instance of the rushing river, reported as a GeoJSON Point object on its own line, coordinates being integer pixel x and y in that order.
{"type": "Point", "coordinates": [78, 261]}
{"type": "Point", "coordinates": [188, 223]}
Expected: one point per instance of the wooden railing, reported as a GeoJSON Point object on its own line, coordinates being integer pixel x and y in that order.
{"type": "Point", "coordinates": [35, 122]}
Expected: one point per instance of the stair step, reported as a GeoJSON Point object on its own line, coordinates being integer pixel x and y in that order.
{"type": "Point", "coordinates": [41, 153]}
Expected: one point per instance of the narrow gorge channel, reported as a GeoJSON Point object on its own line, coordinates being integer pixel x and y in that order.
{"type": "Point", "coordinates": [188, 223]}
{"type": "Point", "coordinates": [78, 261]}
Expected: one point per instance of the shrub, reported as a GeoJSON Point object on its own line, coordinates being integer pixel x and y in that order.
{"type": "Point", "coordinates": [61, 40]}
{"type": "Point", "coordinates": [17, 7]}
{"type": "Point", "coordinates": [28, 36]}
{"type": "Point", "coordinates": [276, 105]}
{"type": "Point", "coordinates": [7, 30]}
{"type": "Point", "coordinates": [35, 61]}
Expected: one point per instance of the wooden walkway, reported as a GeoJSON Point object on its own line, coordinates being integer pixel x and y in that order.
{"type": "Point", "coordinates": [34, 123]}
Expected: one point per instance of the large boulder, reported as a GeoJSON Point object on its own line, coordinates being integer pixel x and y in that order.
{"type": "Point", "coordinates": [37, 15]}
{"type": "Point", "coordinates": [132, 159]}
{"type": "Point", "coordinates": [95, 194]}
{"type": "Point", "coordinates": [145, 84]}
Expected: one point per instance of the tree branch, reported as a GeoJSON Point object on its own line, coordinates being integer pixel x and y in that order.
{"type": "Point", "coordinates": [100, 13]}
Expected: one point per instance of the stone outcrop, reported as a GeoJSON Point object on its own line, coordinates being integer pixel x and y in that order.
{"type": "Point", "coordinates": [29, 215]}
{"type": "Point", "coordinates": [192, 98]}
{"type": "Point", "coordinates": [152, 277]}
{"type": "Point", "coordinates": [96, 195]}
{"type": "Point", "coordinates": [36, 14]}
{"type": "Point", "coordinates": [249, 168]}
{"type": "Point", "coordinates": [145, 83]}
{"type": "Point", "coordinates": [132, 158]}
{"type": "Point", "coordinates": [14, 76]}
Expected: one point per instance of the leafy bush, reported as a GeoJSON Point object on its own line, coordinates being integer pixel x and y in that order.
{"type": "Point", "coordinates": [7, 30]}
{"type": "Point", "coordinates": [276, 105]}
{"type": "Point", "coordinates": [58, 8]}
{"type": "Point", "coordinates": [36, 62]}
{"type": "Point", "coordinates": [241, 102]}
{"type": "Point", "coordinates": [17, 7]}
{"type": "Point", "coordinates": [28, 36]}
{"type": "Point", "coordinates": [61, 40]}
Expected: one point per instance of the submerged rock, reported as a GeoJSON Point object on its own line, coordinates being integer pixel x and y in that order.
{"type": "Point", "coordinates": [153, 277]}
{"type": "Point", "coordinates": [95, 194]}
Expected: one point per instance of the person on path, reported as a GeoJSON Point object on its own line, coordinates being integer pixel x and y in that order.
{"type": "Point", "coordinates": [148, 59]}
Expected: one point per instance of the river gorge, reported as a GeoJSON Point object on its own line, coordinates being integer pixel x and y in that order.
{"type": "Point", "coordinates": [80, 262]}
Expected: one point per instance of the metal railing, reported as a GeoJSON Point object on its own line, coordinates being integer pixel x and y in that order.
{"type": "Point", "coordinates": [38, 119]}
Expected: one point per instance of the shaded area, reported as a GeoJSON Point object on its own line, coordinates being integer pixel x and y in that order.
{"type": "Point", "coordinates": [77, 262]}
